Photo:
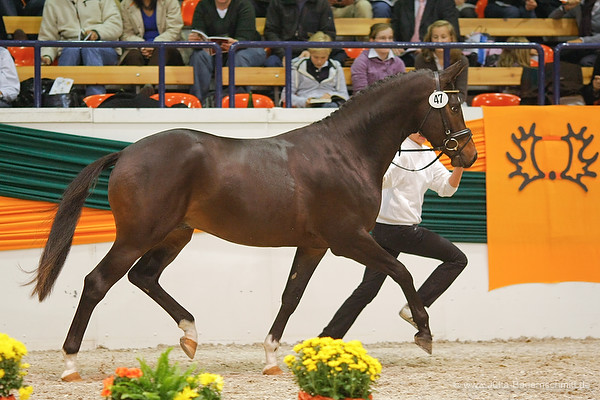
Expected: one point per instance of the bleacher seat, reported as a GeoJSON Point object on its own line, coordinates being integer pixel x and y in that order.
{"type": "Point", "coordinates": [495, 99]}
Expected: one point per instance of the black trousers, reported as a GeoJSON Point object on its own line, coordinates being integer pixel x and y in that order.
{"type": "Point", "coordinates": [396, 239]}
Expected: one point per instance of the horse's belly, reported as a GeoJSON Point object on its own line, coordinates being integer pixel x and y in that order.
{"type": "Point", "coordinates": [263, 226]}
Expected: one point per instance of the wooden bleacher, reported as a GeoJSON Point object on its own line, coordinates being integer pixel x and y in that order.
{"type": "Point", "coordinates": [360, 26]}
{"type": "Point", "coordinates": [259, 76]}
{"type": "Point", "coordinates": [245, 76]}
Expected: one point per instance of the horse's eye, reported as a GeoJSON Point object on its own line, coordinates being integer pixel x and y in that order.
{"type": "Point", "coordinates": [454, 109]}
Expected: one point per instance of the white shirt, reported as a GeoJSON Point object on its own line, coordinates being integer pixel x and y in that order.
{"type": "Point", "coordinates": [9, 79]}
{"type": "Point", "coordinates": [404, 191]}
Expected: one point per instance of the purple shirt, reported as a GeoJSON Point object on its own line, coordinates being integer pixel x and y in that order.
{"type": "Point", "coordinates": [368, 68]}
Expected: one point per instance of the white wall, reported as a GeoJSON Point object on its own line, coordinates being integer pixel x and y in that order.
{"type": "Point", "coordinates": [233, 291]}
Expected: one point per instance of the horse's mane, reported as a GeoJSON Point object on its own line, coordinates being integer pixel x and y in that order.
{"type": "Point", "coordinates": [365, 96]}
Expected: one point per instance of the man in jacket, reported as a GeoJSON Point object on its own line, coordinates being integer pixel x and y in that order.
{"type": "Point", "coordinates": [89, 20]}
{"type": "Point", "coordinates": [292, 20]}
{"type": "Point", "coordinates": [404, 18]}
{"type": "Point", "coordinates": [233, 19]}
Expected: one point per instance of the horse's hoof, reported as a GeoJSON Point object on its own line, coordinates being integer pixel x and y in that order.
{"type": "Point", "coordinates": [72, 377]}
{"type": "Point", "coordinates": [188, 346]}
{"type": "Point", "coordinates": [275, 370]}
{"type": "Point", "coordinates": [424, 342]}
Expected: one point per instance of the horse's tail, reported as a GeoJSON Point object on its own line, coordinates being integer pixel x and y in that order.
{"type": "Point", "coordinates": [63, 228]}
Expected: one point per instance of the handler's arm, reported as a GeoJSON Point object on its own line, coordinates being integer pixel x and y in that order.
{"type": "Point", "coordinates": [454, 179]}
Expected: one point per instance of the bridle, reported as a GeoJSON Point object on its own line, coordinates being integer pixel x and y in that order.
{"type": "Point", "coordinates": [450, 143]}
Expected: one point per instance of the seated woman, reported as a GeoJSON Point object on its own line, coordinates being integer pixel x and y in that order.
{"type": "Point", "coordinates": [442, 31]}
{"type": "Point", "coordinates": [317, 80]}
{"type": "Point", "coordinates": [591, 91]}
{"type": "Point", "coordinates": [510, 9]}
{"type": "Point", "coordinates": [375, 64]}
{"type": "Point", "coordinates": [151, 20]}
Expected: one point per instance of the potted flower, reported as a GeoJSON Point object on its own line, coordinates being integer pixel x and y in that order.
{"type": "Point", "coordinates": [165, 382]}
{"type": "Point", "coordinates": [12, 370]}
{"type": "Point", "coordinates": [327, 368]}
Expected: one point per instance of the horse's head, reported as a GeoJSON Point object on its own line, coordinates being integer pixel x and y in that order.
{"type": "Point", "coordinates": [444, 124]}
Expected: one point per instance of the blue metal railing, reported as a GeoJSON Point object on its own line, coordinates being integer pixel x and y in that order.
{"type": "Point", "coordinates": [557, 50]}
{"type": "Point", "coordinates": [288, 46]}
{"type": "Point", "coordinates": [402, 45]}
{"type": "Point", "coordinates": [161, 46]}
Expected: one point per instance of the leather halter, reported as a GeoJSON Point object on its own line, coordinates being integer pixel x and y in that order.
{"type": "Point", "coordinates": [450, 142]}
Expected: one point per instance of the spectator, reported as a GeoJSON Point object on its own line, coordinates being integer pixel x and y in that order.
{"type": "Point", "coordinates": [382, 8]}
{"type": "Point", "coordinates": [9, 80]}
{"type": "Point", "coordinates": [21, 7]}
{"type": "Point", "coordinates": [443, 32]}
{"type": "Point", "coordinates": [375, 64]}
{"type": "Point", "coordinates": [591, 91]}
{"type": "Point", "coordinates": [295, 20]}
{"type": "Point", "coordinates": [510, 9]}
{"type": "Point", "coordinates": [545, 7]}
{"type": "Point", "coordinates": [81, 20]}
{"type": "Point", "coordinates": [260, 7]}
{"type": "Point", "coordinates": [317, 80]}
{"type": "Point", "coordinates": [151, 20]}
{"type": "Point", "coordinates": [510, 57]}
{"type": "Point", "coordinates": [465, 9]}
{"type": "Point", "coordinates": [410, 22]}
{"type": "Point", "coordinates": [352, 9]}
{"type": "Point", "coordinates": [234, 19]}
{"type": "Point", "coordinates": [587, 14]}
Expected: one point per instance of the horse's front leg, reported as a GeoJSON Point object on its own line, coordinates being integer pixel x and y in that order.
{"type": "Point", "coordinates": [305, 263]}
{"type": "Point", "coordinates": [365, 250]}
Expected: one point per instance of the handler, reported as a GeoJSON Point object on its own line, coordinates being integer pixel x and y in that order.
{"type": "Point", "coordinates": [397, 231]}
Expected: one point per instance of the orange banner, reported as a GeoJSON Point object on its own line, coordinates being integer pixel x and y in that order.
{"type": "Point", "coordinates": [543, 194]}
{"type": "Point", "coordinates": [26, 224]}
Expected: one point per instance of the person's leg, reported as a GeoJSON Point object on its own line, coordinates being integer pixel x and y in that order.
{"type": "Point", "coordinates": [353, 306]}
{"type": "Point", "coordinates": [172, 57]}
{"type": "Point", "coordinates": [273, 61]}
{"type": "Point", "coordinates": [204, 67]}
{"type": "Point", "coordinates": [366, 290]}
{"type": "Point", "coordinates": [363, 9]}
{"type": "Point", "coordinates": [381, 9]}
{"type": "Point", "coordinates": [70, 56]}
{"type": "Point", "coordinates": [251, 57]}
{"type": "Point", "coordinates": [95, 56]}
{"type": "Point", "coordinates": [133, 57]}
{"type": "Point", "coordinates": [423, 242]}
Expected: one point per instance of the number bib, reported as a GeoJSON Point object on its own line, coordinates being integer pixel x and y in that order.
{"type": "Point", "coordinates": [438, 99]}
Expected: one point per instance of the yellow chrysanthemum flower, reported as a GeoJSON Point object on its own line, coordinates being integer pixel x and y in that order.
{"type": "Point", "coordinates": [186, 394]}
{"type": "Point", "coordinates": [25, 392]}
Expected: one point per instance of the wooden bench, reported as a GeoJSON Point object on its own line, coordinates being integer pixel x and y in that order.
{"type": "Point", "coordinates": [519, 26]}
{"type": "Point", "coordinates": [361, 26]}
{"type": "Point", "coordinates": [245, 76]}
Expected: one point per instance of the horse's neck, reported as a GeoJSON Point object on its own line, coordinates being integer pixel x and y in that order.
{"type": "Point", "coordinates": [379, 136]}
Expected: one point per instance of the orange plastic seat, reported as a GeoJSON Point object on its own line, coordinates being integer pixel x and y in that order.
{"type": "Point", "coordinates": [548, 56]}
{"type": "Point", "coordinates": [495, 99]}
{"type": "Point", "coordinates": [480, 8]}
{"type": "Point", "coordinates": [187, 11]}
{"type": "Point", "coordinates": [258, 100]}
{"type": "Point", "coordinates": [189, 100]}
{"type": "Point", "coordinates": [95, 100]}
{"type": "Point", "coordinates": [23, 55]}
{"type": "Point", "coordinates": [354, 51]}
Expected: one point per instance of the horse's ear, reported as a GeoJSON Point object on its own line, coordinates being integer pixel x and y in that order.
{"type": "Point", "coordinates": [448, 76]}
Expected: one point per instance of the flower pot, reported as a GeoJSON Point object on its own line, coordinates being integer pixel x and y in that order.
{"type": "Point", "coordinates": [305, 396]}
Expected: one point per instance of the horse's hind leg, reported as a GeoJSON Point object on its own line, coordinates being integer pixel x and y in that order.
{"type": "Point", "coordinates": [305, 263]}
{"type": "Point", "coordinates": [146, 273]}
{"type": "Point", "coordinates": [96, 284]}
{"type": "Point", "coordinates": [366, 251]}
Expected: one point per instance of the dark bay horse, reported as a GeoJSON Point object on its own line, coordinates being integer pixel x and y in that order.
{"type": "Point", "coordinates": [314, 188]}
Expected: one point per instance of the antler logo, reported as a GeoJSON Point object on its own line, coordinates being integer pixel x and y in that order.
{"type": "Point", "coordinates": [576, 168]}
